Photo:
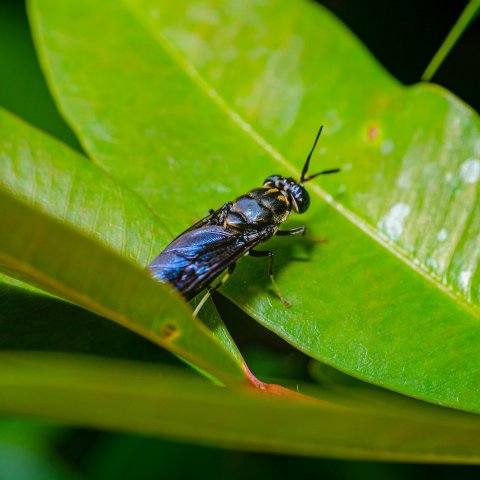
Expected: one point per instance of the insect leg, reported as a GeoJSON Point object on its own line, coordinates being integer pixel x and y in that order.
{"type": "Point", "coordinates": [201, 303]}
{"type": "Point", "coordinates": [258, 253]}
{"type": "Point", "coordinates": [293, 231]}
{"type": "Point", "coordinates": [224, 211]}
{"type": "Point", "coordinates": [230, 270]}
{"type": "Point", "coordinates": [221, 214]}
{"type": "Point", "coordinates": [210, 290]}
{"type": "Point", "coordinates": [211, 218]}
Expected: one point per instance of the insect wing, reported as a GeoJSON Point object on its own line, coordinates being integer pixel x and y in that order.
{"type": "Point", "coordinates": [195, 258]}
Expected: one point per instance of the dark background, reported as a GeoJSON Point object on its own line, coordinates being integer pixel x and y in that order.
{"type": "Point", "coordinates": [403, 36]}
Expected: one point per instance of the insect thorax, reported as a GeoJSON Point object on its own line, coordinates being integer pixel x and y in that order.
{"type": "Point", "coordinates": [258, 209]}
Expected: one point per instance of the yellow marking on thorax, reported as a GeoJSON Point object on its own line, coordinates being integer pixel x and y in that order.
{"type": "Point", "coordinates": [272, 190]}
{"type": "Point", "coordinates": [283, 198]}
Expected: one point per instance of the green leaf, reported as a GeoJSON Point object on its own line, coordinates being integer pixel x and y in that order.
{"type": "Point", "coordinates": [61, 218]}
{"type": "Point", "coordinates": [156, 400]}
{"type": "Point", "coordinates": [67, 186]}
{"type": "Point", "coordinates": [208, 99]}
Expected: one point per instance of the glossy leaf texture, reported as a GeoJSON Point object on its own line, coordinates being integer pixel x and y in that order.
{"type": "Point", "coordinates": [157, 400]}
{"type": "Point", "coordinates": [194, 104]}
{"type": "Point", "coordinates": [65, 224]}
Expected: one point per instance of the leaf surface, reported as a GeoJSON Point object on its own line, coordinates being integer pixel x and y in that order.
{"type": "Point", "coordinates": [194, 104]}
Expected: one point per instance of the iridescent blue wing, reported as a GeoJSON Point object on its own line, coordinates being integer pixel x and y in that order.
{"type": "Point", "coordinates": [195, 258]}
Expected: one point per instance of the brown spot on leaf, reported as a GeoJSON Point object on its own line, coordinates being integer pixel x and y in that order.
{"type": "Point", "coordinates": [169, 331]}
{"type": "Point", "coordinates": [373, 132]}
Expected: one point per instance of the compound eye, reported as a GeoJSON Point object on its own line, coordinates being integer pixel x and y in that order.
{"type": "Point", "coordinates": [271, 180]}
{"type": "Point", "coordinates": [300, 198]}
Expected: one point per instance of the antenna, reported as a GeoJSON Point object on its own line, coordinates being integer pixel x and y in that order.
{"type": "Point", "coordinates": [303, 178]}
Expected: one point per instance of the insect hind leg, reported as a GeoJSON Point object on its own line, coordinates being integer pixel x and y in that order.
{"type": "Point", "coordinates": [211, 289]}
{"type": "Point", "coordinates": [293, 231]}
{"type": "Point", "coordinates": [267, 253]}
{"type": "Point", "coordinates": [230, 270]}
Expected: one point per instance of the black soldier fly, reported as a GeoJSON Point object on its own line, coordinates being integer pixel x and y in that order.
{"type": "Point", "coordinates": [197, 256]}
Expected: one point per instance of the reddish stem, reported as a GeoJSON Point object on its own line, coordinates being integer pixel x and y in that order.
{"type": "Point", "coordinates": [273, 389]}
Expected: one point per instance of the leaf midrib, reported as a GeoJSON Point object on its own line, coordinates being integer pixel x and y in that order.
{"type": "Point", "coordinates": [211, 92]}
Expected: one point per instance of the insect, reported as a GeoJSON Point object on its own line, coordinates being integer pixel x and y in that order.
{"type": "Point", "coordinates": [214, 244]}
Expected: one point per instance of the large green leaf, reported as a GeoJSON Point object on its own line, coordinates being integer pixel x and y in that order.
{"type": "Point", "coordinates": [193, 104]}
{"type": "Point", "coordinates": [160, 401]}
{"type": "Point", "coordinates": [63, 220]}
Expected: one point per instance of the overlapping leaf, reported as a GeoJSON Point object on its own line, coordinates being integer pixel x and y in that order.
{"type": "Point", "coordinates": [63, 219]}
{"type": "Point", "coordinates": [161, 401]}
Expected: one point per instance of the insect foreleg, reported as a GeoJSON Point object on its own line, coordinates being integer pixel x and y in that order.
{"type": "Point", "coordinates": [293, 231]}
{"type": "Point", "coordinates": [258, 253]}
